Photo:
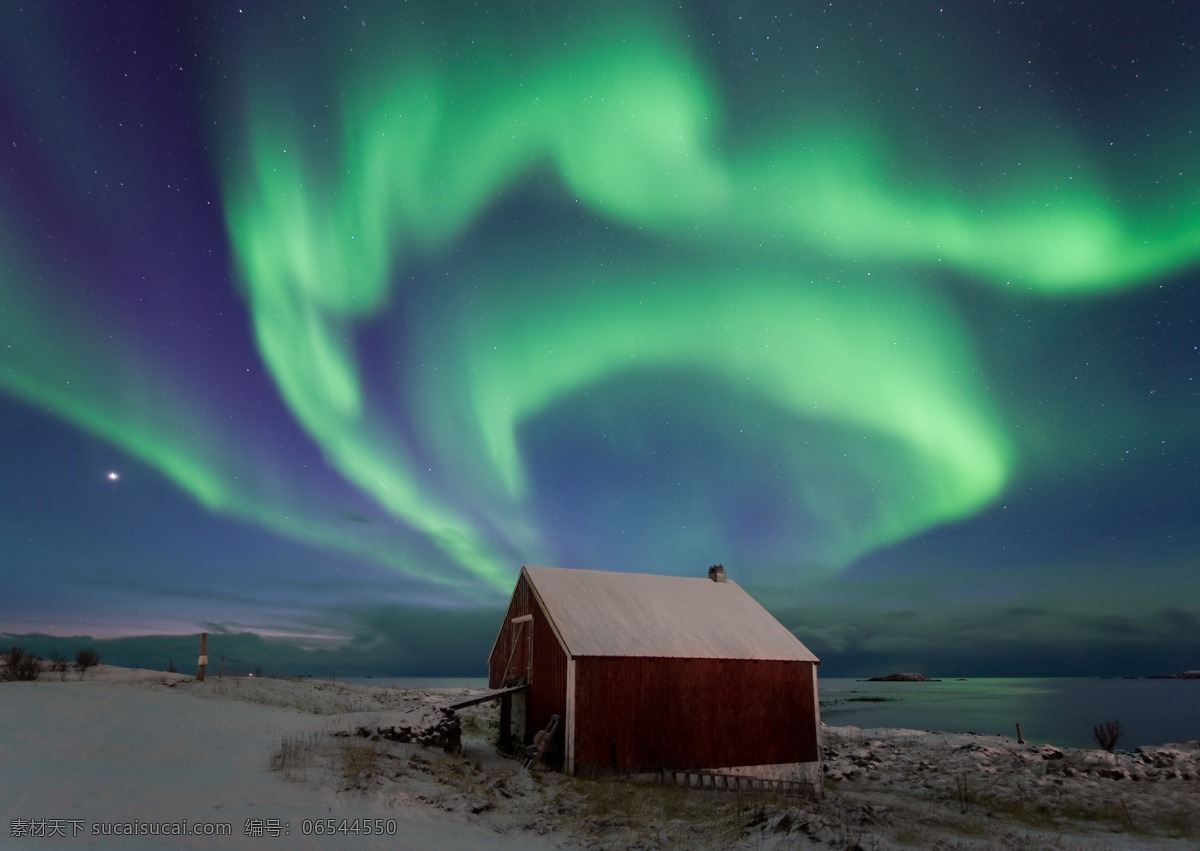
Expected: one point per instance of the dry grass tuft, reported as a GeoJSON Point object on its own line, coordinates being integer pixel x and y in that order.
{"type": "Point", "coordinates": [298, 753]}
{"type": "Point", "coordinates": [357, 761]}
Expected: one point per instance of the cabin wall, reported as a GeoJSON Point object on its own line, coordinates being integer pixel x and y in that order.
{"type": "Point", "coordinates": [642, 714]}
{"type": "Point", "coordinates": [547, 675]}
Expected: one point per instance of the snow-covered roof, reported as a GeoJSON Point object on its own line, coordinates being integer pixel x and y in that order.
{"type": "Point", "coordinates": [604, 613]}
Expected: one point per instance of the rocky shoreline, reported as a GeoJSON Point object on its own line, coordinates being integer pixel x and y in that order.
{"type": "Point", "coordinates": [1150, 797]}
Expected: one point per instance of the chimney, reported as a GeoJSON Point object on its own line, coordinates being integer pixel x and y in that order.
{"type": "Point", "coordinates": [717, 573]}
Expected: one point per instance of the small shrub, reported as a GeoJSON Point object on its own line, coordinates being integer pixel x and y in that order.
{"type": "Point", "coordinates": [1107, 734]}
{"type": "Point", "coordinates": [86, 657]}
{"type": "Point", "coordinates": [20, 666]}
{"type": "Point", "coordinates": [12, 658]}
{"type": "Point", "coordinates": [59, 664]}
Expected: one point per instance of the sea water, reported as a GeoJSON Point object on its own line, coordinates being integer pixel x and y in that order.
{"type": "Point", "coordinates": [1060, 711]}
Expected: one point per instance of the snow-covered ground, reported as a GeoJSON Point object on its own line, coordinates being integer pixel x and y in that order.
{"type": "Point", "coordinates": [269, 763]}
{"type": "Point", "coordinates": [140, 748]}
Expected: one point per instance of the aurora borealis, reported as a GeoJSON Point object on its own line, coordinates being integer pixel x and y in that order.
{"type": "Point", "coordinates": [889, 310]}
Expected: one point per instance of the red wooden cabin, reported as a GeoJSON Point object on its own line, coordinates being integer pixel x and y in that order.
{"type": "Point", "coordinates": [653, 672]}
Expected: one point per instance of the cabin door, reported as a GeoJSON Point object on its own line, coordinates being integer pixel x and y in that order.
{"type": "Point", "coordinates": [520, 659]}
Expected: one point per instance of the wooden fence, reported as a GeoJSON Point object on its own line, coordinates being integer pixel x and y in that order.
{"type": "Point", "coordinates": [714, 782]}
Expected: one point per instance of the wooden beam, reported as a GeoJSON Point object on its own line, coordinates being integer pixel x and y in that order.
{"type": "Point", "coordinates": [484, 698]}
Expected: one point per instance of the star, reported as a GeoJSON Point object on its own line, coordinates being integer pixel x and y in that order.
{"type": "Point", "coordinates": [113, 475]}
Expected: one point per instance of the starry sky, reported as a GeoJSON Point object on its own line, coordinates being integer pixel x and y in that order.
{"type": "Point", "coordinates": [317, 321]}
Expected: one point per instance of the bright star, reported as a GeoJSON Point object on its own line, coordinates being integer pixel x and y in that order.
{"type": "Point", "coordinates": [113, 475]}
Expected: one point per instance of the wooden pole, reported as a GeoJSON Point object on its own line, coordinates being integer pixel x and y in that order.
{"type": "Point", "coordinates": [1020, 741]}
{"type": "Point", "coordinates": [203, 657]}
{"type": "Point", "coordinates": [505, 721]}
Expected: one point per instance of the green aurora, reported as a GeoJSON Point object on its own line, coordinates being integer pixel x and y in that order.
{"type": "Point", "coordinates": [791, 251]}
{"type": "Point", "coordinates": [629, 125]}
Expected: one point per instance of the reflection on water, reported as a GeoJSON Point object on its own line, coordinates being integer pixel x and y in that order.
{"type": "Point", "coordinates": [1059, 710]}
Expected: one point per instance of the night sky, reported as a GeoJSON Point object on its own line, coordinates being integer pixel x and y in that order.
{"type": "Point", "coordinates": [318, 321]}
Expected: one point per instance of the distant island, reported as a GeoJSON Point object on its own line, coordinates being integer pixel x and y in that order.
{"type": "Point", "coordinates": [1184, 675]}
{"type": "Point", "coordinates": [903, 678]}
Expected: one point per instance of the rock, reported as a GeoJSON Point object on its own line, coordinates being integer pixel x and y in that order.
{"type": "Point", "coordinates": [443, 730]}
{"type": "Point", "coordinates": [903, 678]}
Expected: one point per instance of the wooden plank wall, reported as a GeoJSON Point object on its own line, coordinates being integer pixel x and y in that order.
{"type": "Point", "coordinates": [644, 714]}
{"type": "Point", "coordinates": [548, 687]}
